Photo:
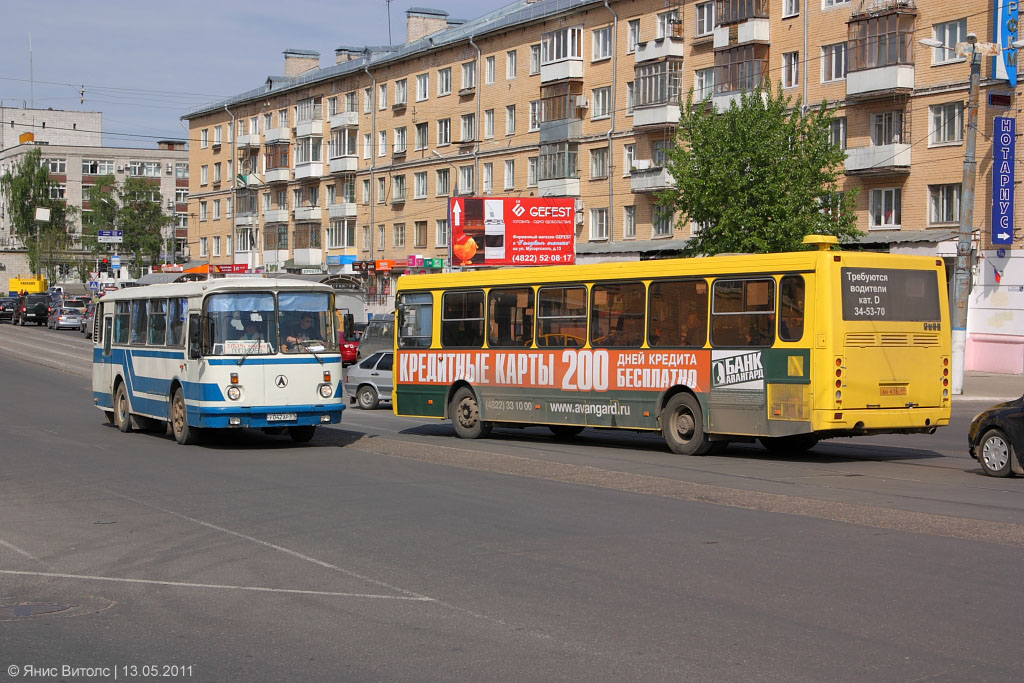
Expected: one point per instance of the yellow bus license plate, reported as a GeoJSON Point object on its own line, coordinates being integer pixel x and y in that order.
{"type": "Point", "coordinates": [892, 391]}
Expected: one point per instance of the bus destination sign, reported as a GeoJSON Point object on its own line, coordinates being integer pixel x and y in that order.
{"type": "Point", "coordinates": [512, 231]}
{"type": "Point", "coordinates": [889, 294]}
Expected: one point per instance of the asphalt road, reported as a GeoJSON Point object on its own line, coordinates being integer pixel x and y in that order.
{"type": "Point", "coordinates": [389, 550]}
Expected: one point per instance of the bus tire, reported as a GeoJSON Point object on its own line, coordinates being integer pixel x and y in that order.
{"type": "Point", "coordinates": [565, 431]}
{"type": "Point", "coordinates": [995, 455]}
{"type": "Point", "coordinates": [682, 425]}
{"type": "Point", "coordinates": [465, 414]}
{"type": "Point", "coordinates": [794, 445]}
{"type": "Point", "coordinates": [367, 397]}
{"type": "Point", "coordinates": [302, 434]}
{"type": "Point", "coordinates": [183, 433]}
{"type": "Point", "coordinates": [122, 411]}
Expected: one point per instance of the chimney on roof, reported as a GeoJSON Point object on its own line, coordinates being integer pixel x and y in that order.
{"type": "Point", "coordinates": [423, 21]}
{"type": "Point", "coordinates": [170, 145]}
{"type": "Point", "coordinates": [347, 54]}
{"type": "Point", "coordinates": [300, 61]}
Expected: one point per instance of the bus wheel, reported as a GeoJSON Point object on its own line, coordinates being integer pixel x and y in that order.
{"type": "Point", "coordinates": [183, 433]}
{"type": "Point", "coordinates": [565, 431]}
{"type": "Point", "coordinates": [122, 415]}
{"type": "Point", "coordinates": [302, 434]}
{"type": "Point", "coordinates": [682, 424]}
{"type": "Point", "coordinates": [465, 414]}
{"type": "Point", "coordinates": [994, 454]}
{"type": "Point", "coordinates": [795, 444]}
{"type": "Point", "coordinates": [367, 398]}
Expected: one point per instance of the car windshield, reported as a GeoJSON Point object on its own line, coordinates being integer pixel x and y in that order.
{"type": "Point", "coordinates": [306, 322]}
{"type": "Point", "coordinates": [240, 323]}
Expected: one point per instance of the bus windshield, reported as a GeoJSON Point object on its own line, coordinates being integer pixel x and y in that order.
{"type": "Point", "coordinates": [241, 323]}
{"type": "Point", "coordinates": [306, 323]}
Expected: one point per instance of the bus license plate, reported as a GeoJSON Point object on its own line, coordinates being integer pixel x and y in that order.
{"type": "Point", "coordinates": [892, 391]}
{"type": "Point", "coordinates": [281, 417]}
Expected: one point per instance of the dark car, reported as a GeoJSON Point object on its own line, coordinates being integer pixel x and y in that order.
{"type": "Point", "coordinates": [32, 308]}
{"type": "Point", "coordinates": [996, 439]}
{"type": "Point", "coordinates": [7, 305]}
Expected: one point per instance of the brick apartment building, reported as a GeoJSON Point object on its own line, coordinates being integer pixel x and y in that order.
{"type": "Point", "coordinates": [347, 168]}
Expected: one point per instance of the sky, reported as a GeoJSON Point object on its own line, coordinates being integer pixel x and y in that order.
{"type": "Point", "coordinates": [145, 63]}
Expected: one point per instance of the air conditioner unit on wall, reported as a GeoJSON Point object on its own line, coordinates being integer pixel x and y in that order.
{"type": "Point", "coordinates": [581, 102]}
{"type": "Point", "coordinates": [120, 169]}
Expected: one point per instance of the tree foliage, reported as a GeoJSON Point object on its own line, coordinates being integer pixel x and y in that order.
{"type": "Point", "coordinates": [133, 207]}
{"type": "Point", "coordinates": [758, 177]}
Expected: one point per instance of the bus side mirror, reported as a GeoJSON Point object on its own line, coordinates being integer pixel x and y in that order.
{"type": "Point", "coordinates": [194, 336]}
{"type": "Point", "coordinates": [348, 325]}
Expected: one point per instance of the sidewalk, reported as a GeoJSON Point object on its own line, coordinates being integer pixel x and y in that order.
{"type": "Point", "coordinates": [991, 387]}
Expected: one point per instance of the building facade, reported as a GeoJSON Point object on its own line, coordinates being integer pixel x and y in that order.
{"type": "Point", "coordinates": [347, 168]}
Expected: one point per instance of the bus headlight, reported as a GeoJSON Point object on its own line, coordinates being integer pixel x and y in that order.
{"type": "Point", "coordinates": [326, 391]}
{"type": "Point", "coordinates": [234, 392]}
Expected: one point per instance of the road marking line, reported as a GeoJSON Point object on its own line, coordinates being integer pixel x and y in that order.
{"type": "Point", "coordinates": [23, 552]}
{"type": "Point", "coordinates": [188, 584]}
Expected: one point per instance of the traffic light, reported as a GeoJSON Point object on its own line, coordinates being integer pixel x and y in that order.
{"type": "Point", "coordinates": [105, 266]}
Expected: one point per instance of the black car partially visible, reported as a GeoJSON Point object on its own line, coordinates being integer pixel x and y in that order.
{"type": "Point", "coordinates": [32, 308]}
{"type": "Point", "coordinates": [996, 439]}
{"type": "Point", "coordinates": [7, 305]}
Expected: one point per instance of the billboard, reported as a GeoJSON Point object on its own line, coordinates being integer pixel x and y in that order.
{"type": "Point", "coordinates": [512, 231]}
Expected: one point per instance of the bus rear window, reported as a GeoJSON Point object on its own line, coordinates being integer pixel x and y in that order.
{"type": "Point", "coordinates": [890, 294]}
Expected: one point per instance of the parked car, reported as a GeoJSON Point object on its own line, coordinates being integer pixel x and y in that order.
{"type": "Point", "coordinates": [7, 305]}
{"type": "Point", "coordinates": [64, 317]}
{"type": "Point", "coordinates": [87, 320]}
{"type": "Point", "coordinates": [31, 308]}
{"type": "Point", "coordinates": [379, 335]}
{"type": "Point", "coordinates": [368, 382]}
{"type": "Point", "coordinates": [996, 439]}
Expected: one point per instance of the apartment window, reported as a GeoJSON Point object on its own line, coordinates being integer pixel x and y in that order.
{"type": "Point", "coordinates": [282, 199]}
{"type": "Point", "coordinates": [633, 35]}
{"type": "Point", "coordinates": [669, 25]}
{"type": "Point", "coordinates": [204, 174]}
{"type": "Point", "coordinates": [949, 34]}
{"type": "Point", "coordinates": [947, 123]}
{"type": "Point", "coordinates": [599, 224]}
{"type": "Point", "coordinates": [204, 138]}
{"type": "Point", "coordinates": [441, 232]}
{"type": "Point", "coordinates": [56, 165]}
{"type": "Point", "coordinates": [367, 100]}
{"type": "Point", "coordinates": [444, 131]}
{"type": "Point", "coordinates": [332, 108]}
{"type": "Point", "coordinates": [487, 181]}
{"type": "Point", "coordinates": [790, 69]}
{"type": "Point", "coordinates": [343, 143]}
{"type": "Point", "coordinates": [834, 3]}
{"type": "Point", "coordinates": [216, 209]}
{"type": "Point", "coordinates": [422, 133]}
{"type": "Point", "coordinates": [444, 81]}
{"type": "Point", "coordinates": [469, 75]}
{"type": "Point", "coordinates": [297, 197]}
{"type": "Point", "coordinates": [398, 235]}
{"type": "Point", "coordinates": [510, 174]}
{"type": "Point", "coordinates": [833, 62]}
{"type": "Point", "coordinates": [282, 118]}
{"type": "Point", "coordinates": [531, 172]}
{"type": "Point", "coordinates": [599, 107]}
{"type": "Point", "coordinates": [400, 140]}
{"type": "Point", "coordinates": [401, 92]}
{"type": "Point", "coordinates": [348, 190]}
{"type": "Point", "coordinates": [662, 225]}
{"type": "Point", "coordinates": [381, 237]}
{"type": "Point", "coordinates": [203, 252]}
{"type": "Point", "coordinates": [180, 169]}
{"type": "Point", "coordinates": [59, 191]}
{"type": "Point", "coordinates": [876, 41]}
{"type": "Point", "coordinates": [267, 118]}
{"type": "Point", "coordinates": [382, 143]}
{"type": "Point", "coordinates": [382, 96]}
{"type": "Point", "coordinates": [489, 70]}
{"type": "Point", "coordinates": [341, 233]}
{"type": "Point", "coordinates": [382, 190]}
{"type": "Point", "coordinates": [887, 128]}
{"type": "Point", "coordinates": [216, 246]}
{"type": "Point", "coordinates": [659, 83]}
{"type": "Point", "coordinates": [705, 18]}
{"type": "Point", "coordinates": [332, 194]}
{"type": "Point", "coordinates": [350, 101]}
{"type": "Point", "coordinates": [489, 123]}
{"type": "Point", "coordinates": [534, 59]}
{"type": "Point", "coordinates": [561, 44]}
{"type": "Point", "coordinates": [366, 191]}
{"type": "Point", "coordinates": [602, 39]}
{"type": "Point", "coordinates": [660, 149]}
{"type": "Point", "coordinates": [419, 234]}
{"type": "Point", "coordinates": [535, 115]}
{"type": "Point", "coordinates": [468, 127]}
{"type": "Point", "coordinates": [202, 211]}
{"type": "Point", "coordinates": [599, 162]}
{"type": "Point", "coordinates": [419, 185]}
{"type": "Point", "coordinates": [308, 109]}
{"type": "Point", "coordinates": [884, 209]}
{"type": "Point", "coordinates": [628, 157]}
{"type": "Point", "coordinates": [837, 132]}
{"type": "Point", "coordinates": [944, 202]}
{"type": "Point", "coordinates": [308, 150]}
{"type": "Point", "coordinates": [367, 146]}
{"type": "Point", "coordinates": [422, 87]}
{"type": "Point", "coordinates": [465, 180]}
{"type": "Point", "coordinates": [558, 101]}
{"type": "Point", "coordinates": [367, 240]}
{"type": "Point", "coordinates": [629, 222]}
{"type": "Point", "coordinates": [630, 97]}
{"type": "Point", "coordinates": [559, 160]}
{"type": "Point", "coordinates": [510, 119]}
{"type": "Point", "coordinates": [180, 195]}
{"type": "Point", "coordinates": [510, 65]}
{"type": "Point", "coordinates": [703, 83]}
{"type": "Point", "coordinates": [442, 184]}
{"type": "Point", "coordinates": [398, 185]}
{"type": "Point", "coordinates": [790, 8]}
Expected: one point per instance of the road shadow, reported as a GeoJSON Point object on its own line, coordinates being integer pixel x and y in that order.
{"type": "Point", "coordinates": [239, 439]}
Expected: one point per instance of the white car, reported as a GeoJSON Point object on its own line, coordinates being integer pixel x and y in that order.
{"type": "Point", "coordinates": [369, 382]}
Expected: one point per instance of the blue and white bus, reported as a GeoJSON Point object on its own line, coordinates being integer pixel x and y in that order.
{"type": "Point", "coordinates": [219, 354]}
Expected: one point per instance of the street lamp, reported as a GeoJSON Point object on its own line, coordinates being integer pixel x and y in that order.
{"type": "Point", "coordinates": [973, 50]}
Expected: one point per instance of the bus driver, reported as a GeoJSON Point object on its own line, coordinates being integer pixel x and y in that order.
{"type": "Point", "coordinates": [304, 331]}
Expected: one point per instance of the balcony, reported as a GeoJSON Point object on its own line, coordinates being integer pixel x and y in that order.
{"type": "Point", "coordinates": [345, 164]}
{"type": "Point", "coordinates": [656, 115]}
{"type": "Point", "coordinates": [343, 210]}
{"type": "Point", "coordinates": [303, 129]}
{"type": "Point", "coordinates": [277, 135]}
{"type": "Point", "coordinates": [247, 141]}
{"type": "Point", "coordinates": [754, 30]}
{"type": "Point", "coordinates": [307, 213]}
{"type": "Point", "coordinates": [661, 48]}
{"type": "Point", "coordinates": [309, 258]}
{"type": "Point", "coordinates": [880, 49]}
{"type": "Point", "coordinates": [275, 216]}
{"type": "Point", "coordinates": [734, 79]}
{"type": "Point", "coordinates": [279, 175]}
{"type": "Point", "coordinates": [648, 178]}
{"type": "Point", "coordinates": [345, 119]}
{"type": "Point", "coordinates": [878, 160]}
{"type": "Point", "coordinates": [562, 129]}
{"type": "Point", "coordinates": [558, 71]}
{"type": "Point", "coordinates": [309, 169]}
{"type": "Point", "coordinates": [559, 187]}
{"type": "Point", "coordinates": [880, 82]}
{"type": "Point", "coordinates": [245, 219]}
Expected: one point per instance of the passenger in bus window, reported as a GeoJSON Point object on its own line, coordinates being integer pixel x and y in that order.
{"type": "Point", "coordinates": [252, 331]}
{"type": "Point", "coordinates": [696, 330]}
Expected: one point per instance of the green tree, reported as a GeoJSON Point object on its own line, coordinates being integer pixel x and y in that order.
{"type": "Point", "coordinates": [26, 187]}
{"type": "Point", "coordinates": [141, 220]}
{"type": "Point", "coordinates": [102, 213]}
{"type": "Point", "coordinates": [758, 177]}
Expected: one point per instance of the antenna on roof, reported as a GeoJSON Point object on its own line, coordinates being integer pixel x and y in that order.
{"type": "Point", "coordinates": [390, 42]}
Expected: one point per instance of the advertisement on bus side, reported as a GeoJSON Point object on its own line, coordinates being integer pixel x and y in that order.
{"type": "Point", "coordinates": [511, 231]}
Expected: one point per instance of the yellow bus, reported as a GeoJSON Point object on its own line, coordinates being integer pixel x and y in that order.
{"type": "Point", "coordinates": [785, 348]}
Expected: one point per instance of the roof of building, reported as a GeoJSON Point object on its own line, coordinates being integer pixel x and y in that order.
{"type": "Point", "coordinates": [630, 246]}
{"type": "Point", "coordinates": [427, 10]}
{"type": "Point", "coordinates": [301, 53]}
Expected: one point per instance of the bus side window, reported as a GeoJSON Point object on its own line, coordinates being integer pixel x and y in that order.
{"type": "Point", "coordinates": [195, 336]}
{"type": "Point", "coordinates": [791, 308]}
{"type": "Point", "coordinates": [122, 322]}
{"type": "Point", "coordinates": [617, 314]}
{"type": "Point", "coordinates": [510, 317]}
{"type": "Point", "coordinates": [678, 314]}
{"type": "Point", "coordinates": [462, 319]}
{"type": "Point", "coordinates": [562, 316]}
{"type": "Point", "coordinates": [108, 324]}
{"type": "Point", "coordinates": [158, 322]}
{"type": "Point", "coordinates": [743, 312]}
{"type": "Point", "coordinates": [176, 310]}
{"type": "Point", "coordinates": [140, 315]}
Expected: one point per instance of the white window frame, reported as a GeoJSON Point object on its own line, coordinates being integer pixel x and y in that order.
{"type": "Point", "coordinates": [536, 109]}
{"type": "Point", "coordinates": [489, 70]}
{"type": "Point", "coordinates": [944, 198]}
{"type": "Point", "coordinates": [444, 132]}
{"type": "Point", "coordinates": [204, 175]}
{"type": "Point", "coordinates": [367, 146]}
{"type": "Point", "coordinates": [599, 162]}
{"type": "Point", "coordinates": [401, 92]}
{"type": "Point", "coordinates": [204, 138]}
{"type": "Point", "coordinates": [465, 180]}
{"type": "Point", "coordinates": [600, 107]}
{"type": "Point", "coordinates": [419, 185]}
{"type": "Point", "coordinates": [511, 59]}
{"type": "Point", "coordinates": [705, 19]}
{"type": "Point", "coordinates": [510, 119]}
{"type": "Point", "coordinates": [422, 141]}
{"type": "Point", "coordinates": [790, 8]}
{"type": "Point", "coordinates": [532, 164]}
{"type": "Point", "coordinates": [880, 194]}
{"type": "Point", "coordinates": [441, 232]}
{"type": "Point", "coordinates": [442, 182]}
{"type": "Point", "coordinates": [382, 96]}
{"type": "Point", "coordinates": [468, 75]}
{"type": "Point", "coordinates": [561, 45]}
{"type": "Point", "coordinates": [630, 97]}
{"type": "Point", "coordinates": [837, 128]}
{"type": "Point", "coordinates": [203, 251]}
{"type": "Point", "coordinates": [203, 211]}
{"type": "Point", "coordinates": [535, 59]}
{"type": "Point", "coordinates": [939, 118]}
{"type": "Point", "coordinates": [487, 178]}
{"type": "Point", "coordinates": [382, 190]}
{"type": "Point", "coordinates": [632, 35]}
{"type": "Point", "coordinates": [444, 81]}
{"type": "Point", "coordinates": [629, 222]}
{"type": "Point", "coordinates": [489, 123]}
{"type": "Point", "coordinates": [790, 69]}
{"type": "Point", "coordinates": [398, 235]}
{"type": "Point", "coordinates": [628, 157]}
{"type": "Point", "coordinates": [833, 61]}
{"type": "Point", "coordinates": [661, 225]}
{"type": "Point", "coordinates": [422, 87]}
{"type": "Point", "coordinates": [216, 209]}
{"type": "Point", "coordinates": [949, 33]}
{"type": "Point", "coordinates": [666, 21]}
{"type": "Point", "coordinates": [467, 127]}
{"type": "Point", "coordinates": [601, 43]}
{"type": "Point", "coordinates": [704, 83]}
{"type": "Point", "coordinates": [510, 174]}
{"type": "Point", "coordinates": [598, 224]}
{"type": "Point", "coordinates": [216, 245]}
{"type": "Point", "coordinates": [828, 4]}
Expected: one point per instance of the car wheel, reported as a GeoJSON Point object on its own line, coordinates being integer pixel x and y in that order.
{"type": "Point", "coordinates": [183, 433]}
{"type": "Point", "coordinates": [682, 425]}
{"type": "Point", "coordinates": [302, 434]}
{"type": "Point", "coordinates": [465, 414]}
{"type": "Point", "coordinates": [995, 454]}
{"type": "Point", "coordinates": [122, 411]}
{"type": "Point", "coordinates": [565, 431]}
{"type": "Point", "coordinates": [789, 445]}
{"type": "Point", "coordinates": [367, 397]}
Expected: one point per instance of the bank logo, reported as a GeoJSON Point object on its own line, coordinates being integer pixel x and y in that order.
{"type": "Point", "coordinates": [518, 210]}
{"type": "Point", "coordinates": [737, 370]}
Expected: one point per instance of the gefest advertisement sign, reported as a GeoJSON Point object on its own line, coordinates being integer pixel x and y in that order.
{"type": "Point", "coordinates": [509, 231]}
